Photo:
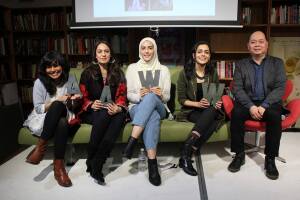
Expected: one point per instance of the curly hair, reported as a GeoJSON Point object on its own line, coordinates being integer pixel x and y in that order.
{"type": "Point", "coordinates": [53, 58]}
{"type": "Point", "coordinates": [189, 67]}
{"type": "Point", "coordinates": [114, 71]}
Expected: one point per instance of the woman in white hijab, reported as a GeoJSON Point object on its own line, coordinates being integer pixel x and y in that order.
{"type": "Point", "coordinates": [148, 89]}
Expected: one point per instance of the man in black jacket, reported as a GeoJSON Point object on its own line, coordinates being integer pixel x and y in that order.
{"type": "Point", "coordinates": [259, 84]}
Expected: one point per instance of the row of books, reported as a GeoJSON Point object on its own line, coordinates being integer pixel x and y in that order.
{"type": "Point", "coordinates": [2, 47]}
{"type": "Point", "coordinates": [246, 15]}
{"type": "Point", "coordinates": [38, 47]}
{"type": "Point", "coordinates": [26, 93]}
{"type": "Point", "coordinates": [77, 45]}
{"type": "Point", "coordinates": [225, 69]}
{"type": "Point", "coordinates": [286, 14]}
{"type": "Point", "coordinates": [69, 19]}
{"type": "Point", "coordinates": [39, 22]}
{"type": "Point", "coordinates": [27, 70]}
{"type": "Point", "coordinates": [86, 45]}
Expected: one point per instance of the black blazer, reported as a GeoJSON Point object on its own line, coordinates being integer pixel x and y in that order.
{"type": "Point", "coordinates": [274, 79]}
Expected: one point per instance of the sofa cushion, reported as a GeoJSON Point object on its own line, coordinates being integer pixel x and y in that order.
{"type": "Point", "coordinates": [171, 131]}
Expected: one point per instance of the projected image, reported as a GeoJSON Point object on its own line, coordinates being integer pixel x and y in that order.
{"type": "Point", "coordinates": [136, 5]}
{"type": "Point", "coordinates": [164, 13]}
{"type": "Point", "coordinates": [161, 5]}
{"type": "Point", "coordinates": [148, 5]}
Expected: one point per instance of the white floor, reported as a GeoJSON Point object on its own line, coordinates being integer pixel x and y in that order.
{"type": "Point", "coordinates": [19, 180]}
{"type": "Point", "coordinates": [251, 183]}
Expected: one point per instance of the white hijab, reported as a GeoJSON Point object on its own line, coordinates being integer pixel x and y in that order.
{"type": "Point", "coordinates": [154, 63]}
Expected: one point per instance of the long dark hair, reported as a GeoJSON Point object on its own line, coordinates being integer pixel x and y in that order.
{"type": "Point", "coordinates": [53, 58]}
{"type": "Point", "coordinates": [114, 71]}
{"type": "Point", "coordinates": [189, 67]}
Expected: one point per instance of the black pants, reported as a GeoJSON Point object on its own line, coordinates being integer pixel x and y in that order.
{"type": "Point", "coordinates": [205, 123]}
{"type": "Point", "coordinates": [272, 117]}
{"type": "Point", "coordinates": [105, 131]}
{"type": "Point", "coordinates": [56, 125]}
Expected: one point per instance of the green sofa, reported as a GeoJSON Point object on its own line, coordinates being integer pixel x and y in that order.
{"type": "Point", "coordinates": [171, 131]}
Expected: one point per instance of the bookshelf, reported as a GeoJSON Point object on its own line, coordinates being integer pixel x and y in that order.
{"type": "Point", "coordinates": [27, 33]}
{"type": "Point", "coordinates": [277, 18]}
{"type": "Point", "coordinates": [7, 70]}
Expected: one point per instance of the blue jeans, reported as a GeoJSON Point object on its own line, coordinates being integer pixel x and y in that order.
{"type": "Point", "coordinates": [147, 114]}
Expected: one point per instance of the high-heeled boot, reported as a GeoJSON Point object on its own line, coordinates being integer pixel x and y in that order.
{"type": "Point", "coordinates": [60, 173]}
{"type": "Point", "coordinates": [185, 161]}
{"type": "Point", "coordinates": [96, 171]}
{"type": "Point", "coordinates": [37, 154]}
{"type": "Point", "coordinates": [99, 158]}
{"type": "Point", "coordinates": [154, 176]}
{"type": "Point", "coordinates": [128, 151]}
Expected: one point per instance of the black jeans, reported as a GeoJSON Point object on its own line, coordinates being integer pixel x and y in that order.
{"type": "Point", "coordinates": [205, 123]}
{"type": "Point", "coordinates": [105, 131]}
{"type": "Point", "coordinates": [56, 125]}
{"type": "Point", "coordinates": [272, 117]}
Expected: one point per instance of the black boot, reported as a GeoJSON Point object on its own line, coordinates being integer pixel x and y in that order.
{"type": "Point", "coordinates": [128, 151]}
{"type": "Point", "coordinates": [270, 167]}
{"type": "Point", "coordinates": [237, 162]}
{"type": "Point", "coordinates": [96, 171]}
{"type": "Point", "coordinates": [154, 176]}
{"type": "Point", "coordinates": [185, 161]}
{"type": "Point", "coordinates": [96, 164]}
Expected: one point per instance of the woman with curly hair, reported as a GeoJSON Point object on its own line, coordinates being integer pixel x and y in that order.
{"type": "Point", "coordinates": [50, 94]}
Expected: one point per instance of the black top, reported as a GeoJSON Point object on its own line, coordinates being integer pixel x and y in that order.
{"type": "Point", "coordinates": [199, 94]}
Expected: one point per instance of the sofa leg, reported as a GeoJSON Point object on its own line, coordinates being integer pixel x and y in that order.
{"type": "Point", "coordinates": [70, 152]}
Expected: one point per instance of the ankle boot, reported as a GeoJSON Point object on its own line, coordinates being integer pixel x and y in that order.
{"type": "Point", "coordinates": [185, 161]}
{"type": "Point", "coordinates": [96, 171]}
{"type": "Point", "coordinates": [60, 173]}
{"type": "Point", "coordinates": [99, 158]}
{"type": "Point", "coordinates": [128, 151]}
{"type": "Point", "coordinates": [154, 176]}
{"type": "Point", "coordinates": [37, 154]}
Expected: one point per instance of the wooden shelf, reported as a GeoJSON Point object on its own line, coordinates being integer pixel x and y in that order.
{"type": "Point", "coordinates": [285, 26]}
{"type": "Point", "coordinates": [253, 1]}
{"type": "Point", "coordinates": [230, 52]}
{"type": "Point", "coordinates": [5, 81]}
{"type": "Point", "coordinates": [28, 80]}
{"type": "Point", "coordinates": [254, 25]}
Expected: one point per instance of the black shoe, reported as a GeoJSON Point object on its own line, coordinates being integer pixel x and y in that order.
{"type": "Point", "coordinates": [128, 151]}
{"type": "Point", "coordinates": [237, 162]}
{"type": "Point", "coordinates": [154, 176]}
{"type": "Point", "coordinates": [270, 167]}
{"type": "Point", "coordinates": [187, 166]}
